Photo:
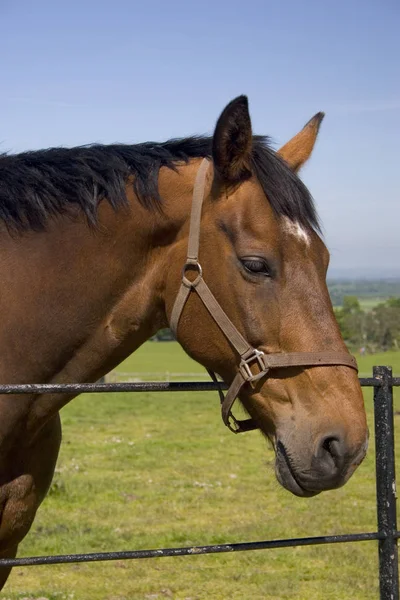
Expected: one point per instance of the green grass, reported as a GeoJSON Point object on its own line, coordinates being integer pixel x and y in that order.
{"type": "Point", "coordinates": [390, 359]}
{"type": "Point", "coordinates": [154, 470]}
{"type": "Point", "coordinates": [159, 360]}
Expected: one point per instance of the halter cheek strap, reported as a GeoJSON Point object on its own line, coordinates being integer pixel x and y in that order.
{"type": "Point", "coordinates": [254, 364]}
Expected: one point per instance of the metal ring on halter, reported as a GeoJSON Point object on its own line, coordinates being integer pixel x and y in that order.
{"type": "Point", "coordinates": [196, 266]}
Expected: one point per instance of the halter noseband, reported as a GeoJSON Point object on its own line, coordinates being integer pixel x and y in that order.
{"type": "Point", "coordinates": [249, 356]}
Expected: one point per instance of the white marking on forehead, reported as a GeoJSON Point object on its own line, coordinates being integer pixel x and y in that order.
{"type": "Point", "coordinates": [294, 228]}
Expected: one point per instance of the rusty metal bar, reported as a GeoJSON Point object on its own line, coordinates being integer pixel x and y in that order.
{"type": "Point", "coordinates": [189, 551]}
{"type": "Point", "coordinates": [91, 388]}
{"type": "Point", "coordinates": [149, 386]}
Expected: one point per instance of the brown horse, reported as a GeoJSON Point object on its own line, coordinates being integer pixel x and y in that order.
{"type": "Point", "coordinates": [92, 245]}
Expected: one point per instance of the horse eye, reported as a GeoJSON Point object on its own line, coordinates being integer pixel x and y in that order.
{"type": "Point", "coordinates": [256, 265]}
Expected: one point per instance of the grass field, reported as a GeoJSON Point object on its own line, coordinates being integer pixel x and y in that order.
{"type": "Point", "coordinates": [154, 470]}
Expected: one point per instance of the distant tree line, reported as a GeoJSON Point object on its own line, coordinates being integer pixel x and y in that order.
{"type": "Point", "coordinates": [374, 330]}
{"type": "Point", "coordinates": [163, 335]}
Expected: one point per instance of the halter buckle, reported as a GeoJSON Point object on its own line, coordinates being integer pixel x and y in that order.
{"type": "Point", "coordinates": [233, 425]}
{"type": "Point", "coordinates": [246, 362]}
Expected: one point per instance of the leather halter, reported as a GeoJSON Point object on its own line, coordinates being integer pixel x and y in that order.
{"type": "Point", "coordinates": [250, 357]}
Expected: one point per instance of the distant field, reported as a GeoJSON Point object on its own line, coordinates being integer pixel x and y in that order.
{"type": "Point", "coordinates": [370, 303]}
{"type": "Point", "coordinates": [160, 358]}
{"type": "Point", "coordinates": [153, 470]}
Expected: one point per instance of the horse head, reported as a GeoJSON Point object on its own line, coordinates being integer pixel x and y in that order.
{"type": "Point", "coordinates": [264, 263]}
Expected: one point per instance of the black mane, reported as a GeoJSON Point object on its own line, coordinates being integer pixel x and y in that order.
{"type": "Point", "coordinates": [37, 185]}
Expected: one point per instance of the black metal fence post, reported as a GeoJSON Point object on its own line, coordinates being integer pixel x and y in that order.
{"type": "Point", "coordinates": [386, 485]}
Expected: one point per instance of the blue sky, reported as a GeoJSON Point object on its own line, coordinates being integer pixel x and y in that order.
{"type": "Point", "coordinates": [95, 71]}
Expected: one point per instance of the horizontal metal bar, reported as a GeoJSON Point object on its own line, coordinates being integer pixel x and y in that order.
{"type": "Point", "coordinates": [189, 551]}
{"type": "Point", "coordinates": [145, 386]}
{"type": "Point", "coordinates": [375, 382]}
{"type": "Point", "coordinates": [90, 388]}
{"type": "Point", "coordinates": [370, 382]}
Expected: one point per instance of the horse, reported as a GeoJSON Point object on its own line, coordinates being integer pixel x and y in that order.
{"type": "Point", "coordinates": [93, 244]}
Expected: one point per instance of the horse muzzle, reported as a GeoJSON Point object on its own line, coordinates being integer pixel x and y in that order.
{"type": "Point", "coordinates": [328, 467]}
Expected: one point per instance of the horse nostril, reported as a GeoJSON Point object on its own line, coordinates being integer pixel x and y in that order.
{"type": "Point", "coordinates": [331, 452]}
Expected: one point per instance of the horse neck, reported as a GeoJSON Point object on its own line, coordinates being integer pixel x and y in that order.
{"type": "Point", "coordinates": [153, 234]}
{"type": "Point", "coordinates": [85, 299]}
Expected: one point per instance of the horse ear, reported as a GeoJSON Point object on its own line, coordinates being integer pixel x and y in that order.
{"type": "Point", "coordinates": [298, 150]}
{"type": "Point", "coordinates": [232, 142]}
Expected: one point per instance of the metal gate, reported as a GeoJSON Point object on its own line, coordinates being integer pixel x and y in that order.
{"type": "Point", "coordinates": [386, 534]}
